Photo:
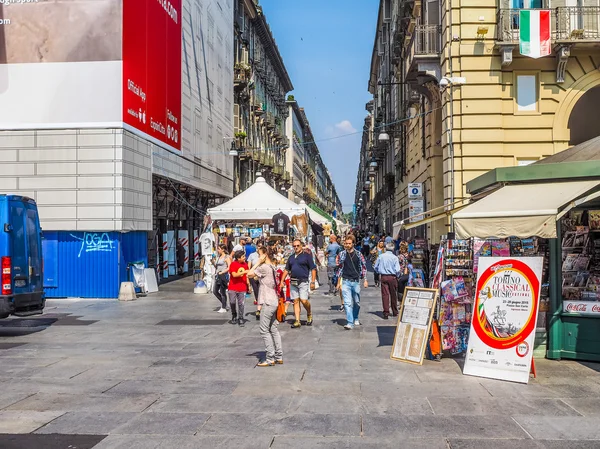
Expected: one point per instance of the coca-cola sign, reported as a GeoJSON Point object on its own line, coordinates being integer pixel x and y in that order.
{"type": "Point", "coordinates": [582, 307]}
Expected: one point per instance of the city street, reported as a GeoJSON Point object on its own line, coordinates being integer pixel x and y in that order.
{"type": "Point", "coordinates": [167, 371]}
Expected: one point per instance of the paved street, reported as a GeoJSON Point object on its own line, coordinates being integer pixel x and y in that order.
{"type": "Point", "coordinates": [167, 371]}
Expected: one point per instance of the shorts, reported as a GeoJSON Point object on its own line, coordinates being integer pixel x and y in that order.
{"type": "Point", "coordinates": [300, 291]}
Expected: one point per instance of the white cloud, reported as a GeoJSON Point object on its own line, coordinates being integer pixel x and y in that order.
{"type": "Point", "coordinates": [342, 128]}
{"type": "Point", "coordinates": [345, 127]}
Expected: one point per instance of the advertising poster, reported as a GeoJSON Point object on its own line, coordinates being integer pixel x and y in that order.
{"type": "Point", "coordinates": [504, 318]}
{"type": "Point", "coordinates": [64, 57]}
{"type": "Point", "coordinates": [92, 63]}
{"type": "Point", "coordinates": [414, 323]}
{"type": "Point", "coordinates": [152, 69]}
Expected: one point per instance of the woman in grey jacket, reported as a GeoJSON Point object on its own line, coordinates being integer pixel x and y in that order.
{"type": "Point", "coordinates": [268, 298]}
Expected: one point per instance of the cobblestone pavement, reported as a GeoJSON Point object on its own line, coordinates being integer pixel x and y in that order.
{"type": "Point", "coordinates": [167, 371]}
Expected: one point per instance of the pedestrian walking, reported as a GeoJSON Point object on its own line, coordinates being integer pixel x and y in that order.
{"type": "Point", "coordinates": [351, 270]}
{"type": "Point", "coordinates": [375, 253]}
{"type": "Point", "coordinates": [268, 299]}
{"type": "Point", "coordinates": [300, 267]}
{"type": "Point", "coordinates": [222, 280]}
{"type": "Point", "coordinates": [238, 286]}
{"type": "Point", "coordinates": [403, 258]}
{"type": "Point", "coordinates": [331, 252]}
{"type": "Point", "coordinates": [388, 266]}
{"type": "Point", "coordinates": [252, 260]}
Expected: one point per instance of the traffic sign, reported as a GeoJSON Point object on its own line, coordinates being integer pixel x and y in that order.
{"type": "Point", "coordinates": [415, 190]}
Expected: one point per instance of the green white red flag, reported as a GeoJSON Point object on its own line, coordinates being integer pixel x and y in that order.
{"type": "Point", "coordinates": [534, 33]}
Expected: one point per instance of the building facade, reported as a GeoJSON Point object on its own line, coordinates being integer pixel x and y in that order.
{"type": "Point", "coordinates": [261, 82]}
{"type": "Point", "coordinates": [141, 152]}
{"type": "Point", "coordinates": [463, 100]}
{"type": "Point", "coordinates": [311, 181]}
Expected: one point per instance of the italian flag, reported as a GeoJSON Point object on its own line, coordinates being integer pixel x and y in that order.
{"type": "Point", "coordinates": [534, 32]}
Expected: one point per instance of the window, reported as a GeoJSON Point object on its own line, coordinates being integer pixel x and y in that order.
{"type": "Point", "coordinates": [526, 93]}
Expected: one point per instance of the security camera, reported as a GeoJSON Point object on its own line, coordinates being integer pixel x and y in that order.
{"type": "Point", "coordinates": [445, 82]}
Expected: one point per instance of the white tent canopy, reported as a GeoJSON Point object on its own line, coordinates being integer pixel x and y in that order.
{"type": "Point", "coordinates": [314, 215]}
{"type": "Point", "coordinates": [260, 201]}
{"type": "Point", "coordinates": [523, 210]}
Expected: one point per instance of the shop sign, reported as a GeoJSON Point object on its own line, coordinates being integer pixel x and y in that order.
{"type": "Point", "coordinates": [415, 190]}
{"type": "Point", "coordinates": [415, 207]}
{"type": "Point", "coordinates": [504, 318]}
{"type": "Point", "coordinates": [582, 307]}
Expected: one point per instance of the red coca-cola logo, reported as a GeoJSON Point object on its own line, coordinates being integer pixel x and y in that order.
{"type": "Point", "coordinates": [576, 307]}
{"type": "Point", "coordinates": [596, 308]}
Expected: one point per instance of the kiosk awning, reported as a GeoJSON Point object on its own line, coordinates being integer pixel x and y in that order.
{"type": "Point", "coordinates": [522, 210]}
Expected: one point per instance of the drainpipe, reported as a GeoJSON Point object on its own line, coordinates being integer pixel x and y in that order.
{"type": "Point", "coordinates": [451, 130]}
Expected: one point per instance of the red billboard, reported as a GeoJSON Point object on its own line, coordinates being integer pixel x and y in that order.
{"type": "Point", "coordinates": [152, 69]}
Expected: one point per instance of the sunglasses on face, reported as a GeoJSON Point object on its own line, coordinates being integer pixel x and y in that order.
{"type": "Point", "coordinates": [297, 246]}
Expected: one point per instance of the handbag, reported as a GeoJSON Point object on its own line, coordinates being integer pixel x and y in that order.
{"type": "Point", "coordinates": [280, 313]}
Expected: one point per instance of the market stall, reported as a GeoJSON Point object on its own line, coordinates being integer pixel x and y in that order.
{"type": "Point", "coordinates": [551, 210]}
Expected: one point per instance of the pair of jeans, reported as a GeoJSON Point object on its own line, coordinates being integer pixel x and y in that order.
{"type": "Point", "coordinates": [237, 298]}
{"type": "Point", "coordinates": [351, 295]}
{"type": "Point", "coordinates": [330, 274]}
{"type": "Point", "coordinates": [220, 289]}
{"type": "Point", "coordinates": [270, 332]}
{"type": "Point", "coordinates": [402, 282]}
{"type": "Point", "coordinates": [389, 293]}
{"type": "Point", "coordinates": [255, 286]}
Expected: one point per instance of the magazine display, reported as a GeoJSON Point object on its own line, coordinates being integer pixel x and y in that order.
{"type": "Point", "coordinates": [581, 255]}
{"type": "Point", "coordinates": [456, 293]}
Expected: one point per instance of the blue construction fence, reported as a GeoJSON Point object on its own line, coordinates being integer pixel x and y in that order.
{"type": "Point", "coordinates": [90, 264]}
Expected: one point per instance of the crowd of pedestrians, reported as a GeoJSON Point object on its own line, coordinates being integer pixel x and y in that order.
{"type": "Point", "coordinates": [287, 272]}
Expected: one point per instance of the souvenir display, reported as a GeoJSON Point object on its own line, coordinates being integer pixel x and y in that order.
{"type": "Point", "coordinates": [581, 260]}
{"type": "Point", "coordinates": [456, 296]}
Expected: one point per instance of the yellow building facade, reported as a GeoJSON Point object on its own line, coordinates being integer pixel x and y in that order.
{"type": "Point", "coordinates": [476, 103]}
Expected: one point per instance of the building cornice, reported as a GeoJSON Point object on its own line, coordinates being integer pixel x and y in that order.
{"type": "Point", "coordinates": [264, 33]}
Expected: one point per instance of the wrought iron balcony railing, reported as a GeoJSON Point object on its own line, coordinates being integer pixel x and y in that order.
{"type": "Point", "coordinates": [427, 40]}
{"type": "Point", "coordinates": [568, 23]}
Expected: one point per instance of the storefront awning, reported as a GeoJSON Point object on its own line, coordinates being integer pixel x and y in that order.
{"type": "Point", "coordinates": [522, 210]}
{"type": "Point", "coordinates": [422, 219]}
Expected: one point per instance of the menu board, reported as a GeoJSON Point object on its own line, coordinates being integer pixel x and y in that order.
{"type": "Point", "coordinates": [414, 324]}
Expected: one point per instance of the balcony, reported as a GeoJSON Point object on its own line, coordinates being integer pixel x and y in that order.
{"type": "Point", "coordinates": [240, 79]}
{"type": "Point", "coordinates": [427, 40]}
{"type": "Point", "coordinates": [569, 24]}
{"type": "Point", "coordinates": [424, 56]}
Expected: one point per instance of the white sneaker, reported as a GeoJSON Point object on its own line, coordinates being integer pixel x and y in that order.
{"type": "Point", "coordinates": [222, 310]}
{"type": "Point", "coordinates": [357, 323]}
{"type": "Point", "coordinates": [348, 327]}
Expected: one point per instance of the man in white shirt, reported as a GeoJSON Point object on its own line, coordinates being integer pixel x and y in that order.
{"type": "Point", "coordinates": [239, 246]}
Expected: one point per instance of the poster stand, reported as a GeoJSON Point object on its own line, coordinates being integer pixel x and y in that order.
{"type": "Point", "coordinates": [414, 325]}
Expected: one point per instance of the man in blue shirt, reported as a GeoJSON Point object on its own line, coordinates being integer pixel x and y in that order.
{"type": "Point", "coordinates": [332, 251]}
{"type": "Point", "coordinates": [249, 247]}
{"type": "Point", "coordinates": [300, 267]}
{"type": "Point", "coordinates": [388, 267]}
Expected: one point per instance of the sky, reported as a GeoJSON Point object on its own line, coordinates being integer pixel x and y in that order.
{"type": "Point", "coordinates": [326, 46]}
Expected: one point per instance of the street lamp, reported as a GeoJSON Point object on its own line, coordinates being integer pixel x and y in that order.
{"type": "Point", "coordinates": [367, 183]}
{"type": "Point", "coordinates": [373, 163]}
{"type": "Point", "coordinates": [233, 150]}
{"type": "Point", "coordinates": [383, 136]}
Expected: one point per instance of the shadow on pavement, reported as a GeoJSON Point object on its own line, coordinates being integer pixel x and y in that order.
{"type": "Point", "coordinates": [52, 441]}
{"type": "Point", "coordinates": [16, 327]}
{"type": "Point", "coordinates": [386, 335]}
{"type": "Point", "coordinates": [591, 365]}
{"type": "Point", "coordinates": [339, 321]}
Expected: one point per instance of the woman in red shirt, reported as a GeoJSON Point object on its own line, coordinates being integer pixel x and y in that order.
{"type": "Point", "coordinates": [238, 286]}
